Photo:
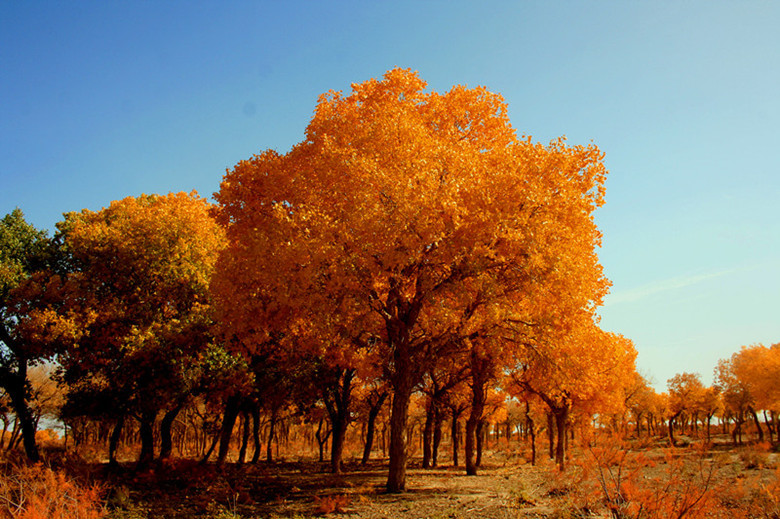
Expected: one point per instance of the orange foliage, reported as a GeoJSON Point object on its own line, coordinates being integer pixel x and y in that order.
{"type": "Point", "coordinates": [37, 492]}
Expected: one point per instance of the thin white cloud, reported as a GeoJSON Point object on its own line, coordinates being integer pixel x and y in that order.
{"type": "Point", "coordinates": [636, 294]}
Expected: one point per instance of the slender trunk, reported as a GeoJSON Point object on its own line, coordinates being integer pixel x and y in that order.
{"type": "Point", "coordinates": [16, 389]}
{"type": "Point", "coordinates": [113, 442]}
{"type": "Point", "coordinates": [269, 456]}
{"type": "Point", "coordinates": [5, 429]}
{"type": "Point", "coordinates": [769, 429]}
{"type": "Point", "coordinates": [226, 433]}
{"type": "Point", "coordinates": [244, 437]}
{"type": "Point", "coordinates": [551, 435]}
{"type": "Point", "coordinates": [166, 436]}
{"type": "Point", "coordinates": [758, 424]}
{"type": "Point", "coordinates": [479, 375]}
{"type": "Point", "coordinates": [371, 426]}
{"type": "Point", "coordinates": [437, 423]}
{"type": "Point", "coordinates": [322, 439]}
{"type": "Point", "coordinates": [454, 436]}
{"type": "Point", "coordinates": [256, 433]}
{"type": "Point", "coordinates": [529, 427]}
{"type": "Point", "coordinates": [427, 436]}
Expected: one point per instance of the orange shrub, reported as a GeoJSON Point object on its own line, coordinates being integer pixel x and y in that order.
{"type": "Point", "coordinates": [37, 492]}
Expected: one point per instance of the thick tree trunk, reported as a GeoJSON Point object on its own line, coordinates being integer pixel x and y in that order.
{"type": "Point", "coordinates": [146, 434]}
{"type": "Point", "coordinates": [399, 414]}
{"type": "Point", "coordinates": [481, 436]}
{"type": "Point", "coordinates": [166, 431]}
{"type": "Point", "coordinates": [561, 415]}
{"type": "Point", "coordinates": [226, 433]}
{"type": "Point", "coordinates": [672, 441]}
{"type": "Point", "coordinates": [337, 446]}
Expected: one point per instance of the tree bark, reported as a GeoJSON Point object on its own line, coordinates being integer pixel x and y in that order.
{"type": "Point", "coordinates": [16, 387]}
{"type": "Point", "coordinates": [481, 436]}
{"type": "Point", "coordinates": [228, 421]}
{"type": "Point", "coordinates": [256, 433]}
{"type": "Point", "coordinates": [244, 437]}
{"type": "Point", "coordinates": [428, 436]}
{"type": "Point", "coordinates": [551, 434]}
{"type": "Point", "coordinates": [454, 436]}
{"type": "Point", "coordinates": [399, 414]}
{"type": "Point", "coordinates": [269, 455]}
{"type": "Point", "coordinates": [373, 412]}
{"type": "Point", "coordinates": [113, 442]}
{"type": "Point", "coordinates": [561, 415]}
{"type": "Point", "coordinates": [166, 436]}
{"type": "Point", "coordinates": [437, 423]}
{"type": "Point", "coordinates": [529, 424]}
{"type": "Point", "coordinates": [146, 433]}
{"type": "Point", "coordinates": [759, 429]}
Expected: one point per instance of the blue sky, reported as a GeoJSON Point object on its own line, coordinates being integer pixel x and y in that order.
{"type": "Point", "coordinates": [102, 100]}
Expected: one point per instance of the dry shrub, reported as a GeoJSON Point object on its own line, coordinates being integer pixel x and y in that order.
{"type": "Point", "coordinates": [38, 492]}
{"type": "Point", "coordinates": [755, 456]}
{"type": "Point", "coordinates": [329, 504]}
{"type": "Point", "coordinates": [629, 484]}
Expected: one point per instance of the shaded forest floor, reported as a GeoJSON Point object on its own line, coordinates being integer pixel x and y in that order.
{"type": "Point", "coordinates": [739, 482]}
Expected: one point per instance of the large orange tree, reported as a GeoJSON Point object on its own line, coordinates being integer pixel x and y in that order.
{"type": "Point", "coordinates": [417, 206]}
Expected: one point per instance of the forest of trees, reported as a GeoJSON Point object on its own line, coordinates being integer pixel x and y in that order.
{"type": "Point", "coordinates": [413, 265]}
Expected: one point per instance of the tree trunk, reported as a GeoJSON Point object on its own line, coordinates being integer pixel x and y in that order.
{"type": "Point", "coordinates": [561, 415]}
{"type": "Point", "coordinates": [373, 412]}
{"type": "Point", "coordinates": [454, 436]}
{"type": "Point", "coordinates": [146, 433]}
{"type": "Point", "coordinates": [427, 437]}
{"type": "Point", "coordinates": [166, 436]}
{"type": "Point", "coordinates": [337, 444]}
{"type": "Point", "coordinates": [256, 433]}
{"type": "Point", "coordinates": [322, 439]}
{"type": "Point", "coordinates": [672, 441]}
{"type": "Point", "coordinates": [551, 434]}
{"type": "Point", "coordinates": [228, 421]}
{"type": "Point", "coordinates": [113, 442]}
{"type": "Point", "coordinates": [481, 436]}
{"type": "Point", "coordinates": [244, 437]}
{"type": "Point", "coordinates": [269, 455]}
{"type": "Point", "coordinates": [437, 423]}
{"type": "Point", "coordinates": [758, 424]}
{"type": "Point", "coordinates": [529, 427]}
{"type": "Point", "coordinates": [399, 414]}
{"type": "Point", "coordinates": [16, 386]}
